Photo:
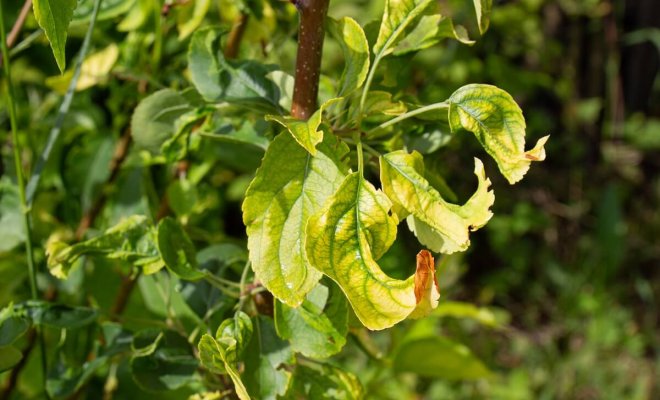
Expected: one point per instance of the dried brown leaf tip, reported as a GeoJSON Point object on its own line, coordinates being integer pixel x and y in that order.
{"type": "Point", "coordinates": [425, 274]}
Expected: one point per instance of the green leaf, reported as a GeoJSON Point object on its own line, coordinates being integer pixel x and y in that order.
{"type": "Point", "coordinates": [345, 239]}
{"type": "Point", "coordinates": [306, 133]}
{"type": "Point", "coordinates": [290, 185]}
{"type": "Point", "coordinates": [379, 103]}
{"type": "Point", "coordinates": [439, 225]}
{"type": "Point", "coordinates": [54, 17]}
{"type": "Point", "coordinates": [213, 355]}
{"type": "Point", "coordinates": [266, 358]}
{"type": "Point", "coordinates": [323, 381]}
{"type": "Point", "coordinates": [497, 121]}
{"type": "Point", "coordinates": [177, 250]}
{"type": "Point", "coordinates": [132, 240]}
{"type": "Point", "coordinates": [238, 328]}
{"type": "Point", "coordinates": [15, 319]}
{"type": "Point", "coordinates": [9, 357]}
{"type": "Point", "coordinates": [11, 327]}
{"type": "Point", "coordinates": [190, 16]}
{"type": "Point", "coordinates": [318, 328]}
{"type": "Point", "coordinates": [154, 118]}
{"type": "Point", "coordinates": [169, 366]}
{"type": "Point", "coordinates": [182, 196]}
{"type": "Point", "coordinates": [354, 44]}
{"type": "Point", "coordinates": [459, 309]}
{"type": "Point", "coordinates": [59, 315]}
{"type": "Point", "coordinates": [217, 79]}
{"type": "Point", "coordinates": [438, 357]}
{"type": "Point", "coordinates": [482, 9]}
{"type": "Point", "coordinates": [397, 16]}
{"type": "Point", "coordinates": [429, 31]}
{"type": "Point", "coordinates": [11, 225]}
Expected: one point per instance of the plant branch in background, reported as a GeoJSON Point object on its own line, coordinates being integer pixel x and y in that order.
{"type": "Point", "coordinates": [18, 25]}
{"type": "Point", "coordinates": [311, 33]}
{"type": "Point", "coordinates": [236, 35]}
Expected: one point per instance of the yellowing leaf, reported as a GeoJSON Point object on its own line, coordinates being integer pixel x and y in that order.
{"type": "Point", "coordinates": [345, 239]}
{"type": "Point", "coordinates": [354, 44]}
{"type": "Point", "coordinates": [306, 133]}
{"type": "Point", "coordinates": [482, 10]}
{"type": "Point", "coordinates": [441, 226]}
{"type": "Point", "coordinates": [397, 16]}
{"type": "Point", "coordinates": [497, 121]}
{"type": "Point", "coordinates": [94, 70]}
{"type": "Point", "coordinates": [290, 185]}
{"type": "Point", "coordinates": [190, 16]}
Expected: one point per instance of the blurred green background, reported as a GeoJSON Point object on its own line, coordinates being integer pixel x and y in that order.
{"type": "Point", "coordinates": [569, 265]}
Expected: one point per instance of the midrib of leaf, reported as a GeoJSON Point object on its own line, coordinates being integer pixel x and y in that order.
{"type": "Point", "coordinates": [360, 240]}
{"type": "Point", "coordinates": [249, 83]}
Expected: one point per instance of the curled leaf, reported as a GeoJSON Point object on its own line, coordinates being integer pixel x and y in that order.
{"type": "Point", "coordinates": [290, 185]}
{"type": "Point", "coordinates": [438, 224]}
{"type": "Point", "coordinates": [345, 239]}
{"type": "Point", "coordinates": [494, 117]}
{"type": "Point", "coordinates": [427, 291]}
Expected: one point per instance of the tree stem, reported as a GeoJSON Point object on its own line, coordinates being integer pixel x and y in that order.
{"type": "Point", "coordinates": [308, 61]}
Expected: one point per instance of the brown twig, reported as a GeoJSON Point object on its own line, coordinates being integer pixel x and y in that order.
{"type": "Point", "coordinates": [236, 35]}
{"type": "Point", "coordinates": [16, 371]}
{"type": "Point", "coordinates": [18, 25]}
{"type": "Point", "coordinates": [311, 33]}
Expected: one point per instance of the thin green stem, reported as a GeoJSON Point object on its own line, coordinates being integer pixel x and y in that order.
{"type": "Point", "coordinates": [367, 84]}
{"type": "Point", "coordinates": [63, 110]}
{"type": "Point", "coordinates": [20, 180]}
{"type": "Point", "coordinates": [409, 114]}
{"type": "Point", "coordinates": [358, 149]}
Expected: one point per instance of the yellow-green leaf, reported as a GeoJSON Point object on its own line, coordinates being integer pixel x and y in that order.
{"type": "Point", "coordinates": [397, 16]}
{"type": "Point", "coordinates": [54, 17]}
{"type": "Point", "coordinates": [439, 225]}
{"type": "Point", "coordinates": [306, 133]}
{"type": "Point", "coordinates": [190, 16]}
{"type": "Point", "coordinates": [482, 9]}
{"type": "Point", "coordinates": [290, 185]}
{"type": "Point", "coordinates": [494, 117]}
{"type": "Point", "coordinates": [354, 44]}
{"type": "Point", "coordinates": [345, 239]}
{"type": "Point", "coordinates": [94, 70]}
{"type": "Point", "coordinates": [429, 31]}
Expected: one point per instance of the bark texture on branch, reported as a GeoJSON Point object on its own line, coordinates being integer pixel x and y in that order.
{"type": "Point", "coordinates": [311, 32]}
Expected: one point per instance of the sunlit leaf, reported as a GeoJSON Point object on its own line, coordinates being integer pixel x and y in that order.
{"type": "Point", "coordinates": [354, 44]}
{"type": "Point", "coordinates": [323, 381]}
{"type": "Point", "coordinates": [345, 239]}
{"type": "Point", "coordinates": [439, 225]}
{"type": "Point", "coordinates": [494, 117]}
{"type": "Point", "coordinates": [94, 70]}
{"type": "Point", "coordinates": [318, 327]}
{"type": "Point", "coordinates": [214, 357]}
{"type": "Point", "coordinates": [190, 16]}
{"type": "Point", "coordinates": [54, 17]}
{"type": "Point", "coordinates": [429, 31]}
{"type": "Point", "coordinates": [290, 185]}
{"type": "Point", "coordinates": [397, 16]}
{"type": "Point", "coordinates": [306, 133]}
{"type": "Point", "coordinates": [482, 9]}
